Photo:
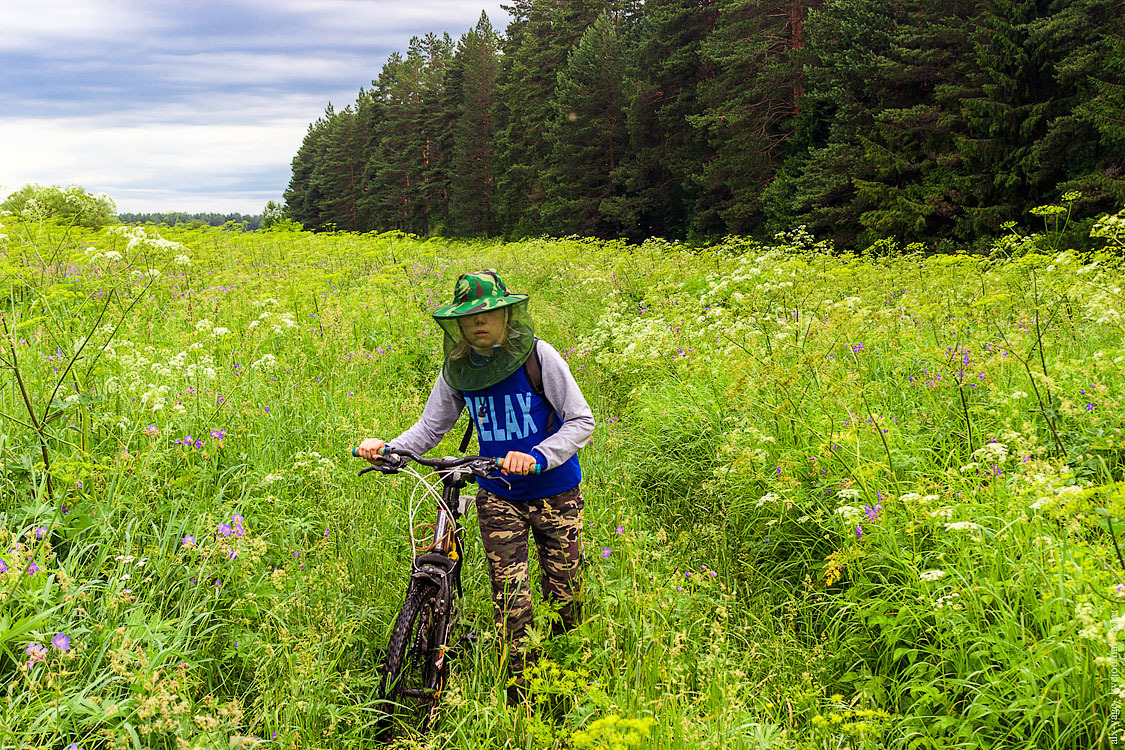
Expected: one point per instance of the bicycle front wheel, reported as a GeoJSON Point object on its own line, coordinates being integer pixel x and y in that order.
{"type": "Point", "coordinates": [414, 672]}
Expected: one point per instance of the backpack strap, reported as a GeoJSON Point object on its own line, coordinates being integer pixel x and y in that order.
{"type": "Point", "coordinates": [468, 435]}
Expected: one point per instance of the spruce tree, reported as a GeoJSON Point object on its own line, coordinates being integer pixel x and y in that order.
{"type": "Point", "coordinates": [1026, 137]}
{"type": "Point", "coordinates": [303, 196]}
{"type": "Point", "coordinates": [1094, 69]}
{"type": "Point", "coordinates": [910, 188]}
{"type": "Point", "coordinates": [535, 48]}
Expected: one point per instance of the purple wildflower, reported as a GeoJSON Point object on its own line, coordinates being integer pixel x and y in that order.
{"type": "Point", "coordinates": [189, 541]}
{"type": "Point", "coordinates": [619, 530]}
{"type": "Point", "coordinates": [606, 552]}
{"type": "Point", "coordinates": [218, 434]}
{"type": "Point", "coordinates": [36, 652]}
{"type": "Point", "coordinates": [225, 529]}
{"type": "Point", "coordinates": [61, 641]}
{"type": "Point", "coordinates": [3, 566]}
{"type": "Point", "coordinates": [40, 532]}
{"type": "Point", "coordinates": [32, 569]}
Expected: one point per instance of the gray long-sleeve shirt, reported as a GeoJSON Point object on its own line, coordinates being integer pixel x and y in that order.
{"type": "Point", "coordinates": [445, 404]}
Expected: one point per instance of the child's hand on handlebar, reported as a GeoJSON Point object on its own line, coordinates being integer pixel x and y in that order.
{"type": "Point", "coordinates": [371, 449]}
{"type": "Point", "coordinates": [518, 463]}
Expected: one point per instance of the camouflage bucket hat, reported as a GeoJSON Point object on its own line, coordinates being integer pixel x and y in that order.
{"type": "Point", "coordinates": [478, 292]}
{"type": "Point", "coordinates": [469, 368]}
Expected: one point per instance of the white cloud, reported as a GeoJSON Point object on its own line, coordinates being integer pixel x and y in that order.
{"type": "Point", "coordinates": [194, 106]}
{"type": "Point", "coordinates": [33, 24]}
{"type": "Point", "coordinates": [364, 18]}
{"type": "Point", "coordinates": [160, 166]}
{"type": "Point", "coordinates": [247, 69]}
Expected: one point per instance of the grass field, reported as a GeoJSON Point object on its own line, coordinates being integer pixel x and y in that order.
{"type": "Point", "coordinates": [832, 501]}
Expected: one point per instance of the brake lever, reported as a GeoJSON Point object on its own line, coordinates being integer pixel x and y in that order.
{"type": "Point", "coordinates": [389, 465]}
{"type": "Point", "coordinates": [491, 472]}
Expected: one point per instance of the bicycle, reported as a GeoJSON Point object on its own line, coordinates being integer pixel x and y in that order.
{"type": "Point", "coordinates": [414, 671]}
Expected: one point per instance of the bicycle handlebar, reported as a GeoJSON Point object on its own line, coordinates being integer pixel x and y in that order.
{"type": "Point", "coordinates": [445, 463]}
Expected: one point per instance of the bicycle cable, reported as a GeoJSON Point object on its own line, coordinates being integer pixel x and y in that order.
{"type": "Point", "coordinates": [426, 484]}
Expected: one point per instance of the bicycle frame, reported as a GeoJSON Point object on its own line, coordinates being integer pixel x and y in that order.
{"type": "Point", "coordinates": [441, 563]}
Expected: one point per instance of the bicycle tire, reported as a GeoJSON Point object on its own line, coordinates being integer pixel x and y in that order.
{"type": "Point", "coordinates": [413, 673]}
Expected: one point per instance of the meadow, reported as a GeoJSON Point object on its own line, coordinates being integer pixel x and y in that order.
{"type": "Point", "coordinates": [833, 501]}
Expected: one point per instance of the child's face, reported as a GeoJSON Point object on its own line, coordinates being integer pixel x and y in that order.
{"type": "Point", "coordinates": [484, 330]}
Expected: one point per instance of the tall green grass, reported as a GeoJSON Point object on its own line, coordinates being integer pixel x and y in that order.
{"type": "Point", "coordinates": [831, 501]}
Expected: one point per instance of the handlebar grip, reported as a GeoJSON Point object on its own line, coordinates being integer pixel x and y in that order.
{"type": "Point", "coordinates": [384, 452]}
{"type": "Point", "coordinates": [538, 468]}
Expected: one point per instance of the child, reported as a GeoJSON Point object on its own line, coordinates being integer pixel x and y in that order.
{"type": "Point", "coordinates": [489, 344]}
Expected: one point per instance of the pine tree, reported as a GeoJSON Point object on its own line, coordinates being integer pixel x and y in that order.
{"type": "Point", "coordinates": [670, 68]}
{"type": "Point", "coordinates": [436, 131]}
{"type": "Point", "coordinates": [404, 173]}
{"type": "Point", "coordinates": [747, 108]}
{"type": "Point", "coordinates": [337, 173]}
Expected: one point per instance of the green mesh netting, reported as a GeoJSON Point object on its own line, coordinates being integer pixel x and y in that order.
{"type": "Point", "coordinates": [469, 369]}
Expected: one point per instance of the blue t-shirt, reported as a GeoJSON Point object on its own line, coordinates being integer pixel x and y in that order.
{"type": "Point", "coordinates": [509, 416]}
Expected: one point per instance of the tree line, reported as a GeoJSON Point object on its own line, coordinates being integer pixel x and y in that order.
{"type": "Point", "coordinates": [694, 119]}
{"type": "Point", "coordinates": [246, 222]}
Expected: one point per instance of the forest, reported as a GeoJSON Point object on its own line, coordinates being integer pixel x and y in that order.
{"type": "Point", "coordinates": [247, 222]}
{"type": "Point", "coordinates": [863, 120]}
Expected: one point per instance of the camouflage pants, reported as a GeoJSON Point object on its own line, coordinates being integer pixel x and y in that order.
{"type": "Point", "coordinates": [556, 525]}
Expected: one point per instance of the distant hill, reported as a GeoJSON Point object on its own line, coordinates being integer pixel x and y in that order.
{"type": "Point", "coordinates": [173, 218]}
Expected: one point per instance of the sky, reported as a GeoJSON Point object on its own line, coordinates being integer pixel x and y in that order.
{"type": "Point", "coordinates": [190, 105]}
